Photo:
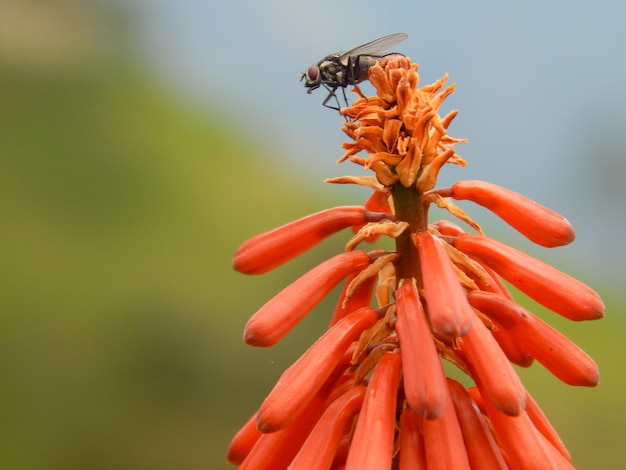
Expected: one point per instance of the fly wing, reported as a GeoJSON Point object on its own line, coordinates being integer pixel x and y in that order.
{"type": "Point", "coordinates": [373, 48]}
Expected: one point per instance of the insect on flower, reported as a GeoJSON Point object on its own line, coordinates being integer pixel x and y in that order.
{"type": "Point", "coordinates": [372, 392]}
{"type": "Point", "coordinates": [348, 68]}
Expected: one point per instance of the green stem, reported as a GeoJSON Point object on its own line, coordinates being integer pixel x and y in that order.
{"type": "Point", "coordinates": [409, 207]}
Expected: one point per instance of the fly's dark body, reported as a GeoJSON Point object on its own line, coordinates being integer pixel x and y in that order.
{"type": "Point", "coordinates": [342, 69]}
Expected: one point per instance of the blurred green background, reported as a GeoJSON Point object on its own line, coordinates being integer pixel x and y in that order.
{"type": "Point", "coordinates": [122, 204]}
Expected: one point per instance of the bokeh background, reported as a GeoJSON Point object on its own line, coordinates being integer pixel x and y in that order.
{"type": "Point", "coordinates": [142, 141]}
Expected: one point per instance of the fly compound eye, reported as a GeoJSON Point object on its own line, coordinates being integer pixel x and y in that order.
{"type": "Point", "coordinates": [313, 74]}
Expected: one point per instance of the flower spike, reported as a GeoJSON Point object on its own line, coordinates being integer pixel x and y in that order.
{"type": "Point", "coordinates": [372, 392]}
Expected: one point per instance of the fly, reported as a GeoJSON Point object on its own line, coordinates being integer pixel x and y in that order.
{"type": "Point", "coordinates": [348, 68]}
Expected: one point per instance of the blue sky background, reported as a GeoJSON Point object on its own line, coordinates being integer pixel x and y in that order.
{"type": "Point", "coordinates": [539, 88]}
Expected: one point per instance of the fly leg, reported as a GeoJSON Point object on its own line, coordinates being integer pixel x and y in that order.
{"type": "Point", "coordinates": [332, 94]}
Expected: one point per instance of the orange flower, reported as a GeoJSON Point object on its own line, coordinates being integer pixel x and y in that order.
{"type": "Point", "coordinates": [372, 392]}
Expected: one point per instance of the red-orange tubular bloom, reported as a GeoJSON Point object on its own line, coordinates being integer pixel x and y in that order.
{"type": "Point", "coordinates": [271, 249]}
{"type": "Point", "coordinates": [372, 393]}
{"type": "Point", "coordinates": [548, 286]}
{"type": "Point", "coordinates": [536, 222]}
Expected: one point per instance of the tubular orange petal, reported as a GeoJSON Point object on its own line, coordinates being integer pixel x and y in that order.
{"type": "Point", "coordinates": [424, 381]}
{"type": "Point", "coordinates": [411, 442]}
{"type": "Point", "coordinates": [443, 441]}
{"type": "Point", "coordinates": [522, 443]}
{"type": "Point", "coordinates": [277, 450]}
{"type": "Point", "coordinates": [446, 227]}
{"type": "Point", "coordinates": [545, 428]}
{"type": "Point", "coordinates": [557, 353]}
{"type": "Point", "coordinates": [482, 450]}
{"type": "Point", "coordinates": [243, 442]}
{"type": "Point", "coordinates": [499, 379]}
{"type": "Point", "coordinates": [278, 316]}
{"type": "Point", "coordinates": [548, 286]}
{"type": "Point", "coordinates": [305, 377]}
{"type": "Point", "coordinates": [511, 347]}
{"type": "Point", "coordinates": [447, 306]}
{"type": "Point", "coordinates": [318, 452]}
{"type": "Point", "coordinates": [536, 222]}
{"type": "Point", "coordinates": [271, 249]}
{"type": "Point", "coordinates": [372, 443]}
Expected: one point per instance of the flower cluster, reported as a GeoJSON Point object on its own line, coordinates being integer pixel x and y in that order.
{"type": "Point", "coordinates": [371, 392]}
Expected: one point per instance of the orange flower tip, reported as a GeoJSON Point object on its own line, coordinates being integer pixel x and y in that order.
{"type": "Point", "coordinates": [536, 222]}
{"type": "Point", "coordinates": [431, 410]}
{"type": "Point", "coordinates": [258, 336]}
{"type": "Point", "coordinates": [243, 442]}
{"type": "Point", "coordinates": [274, 248]}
